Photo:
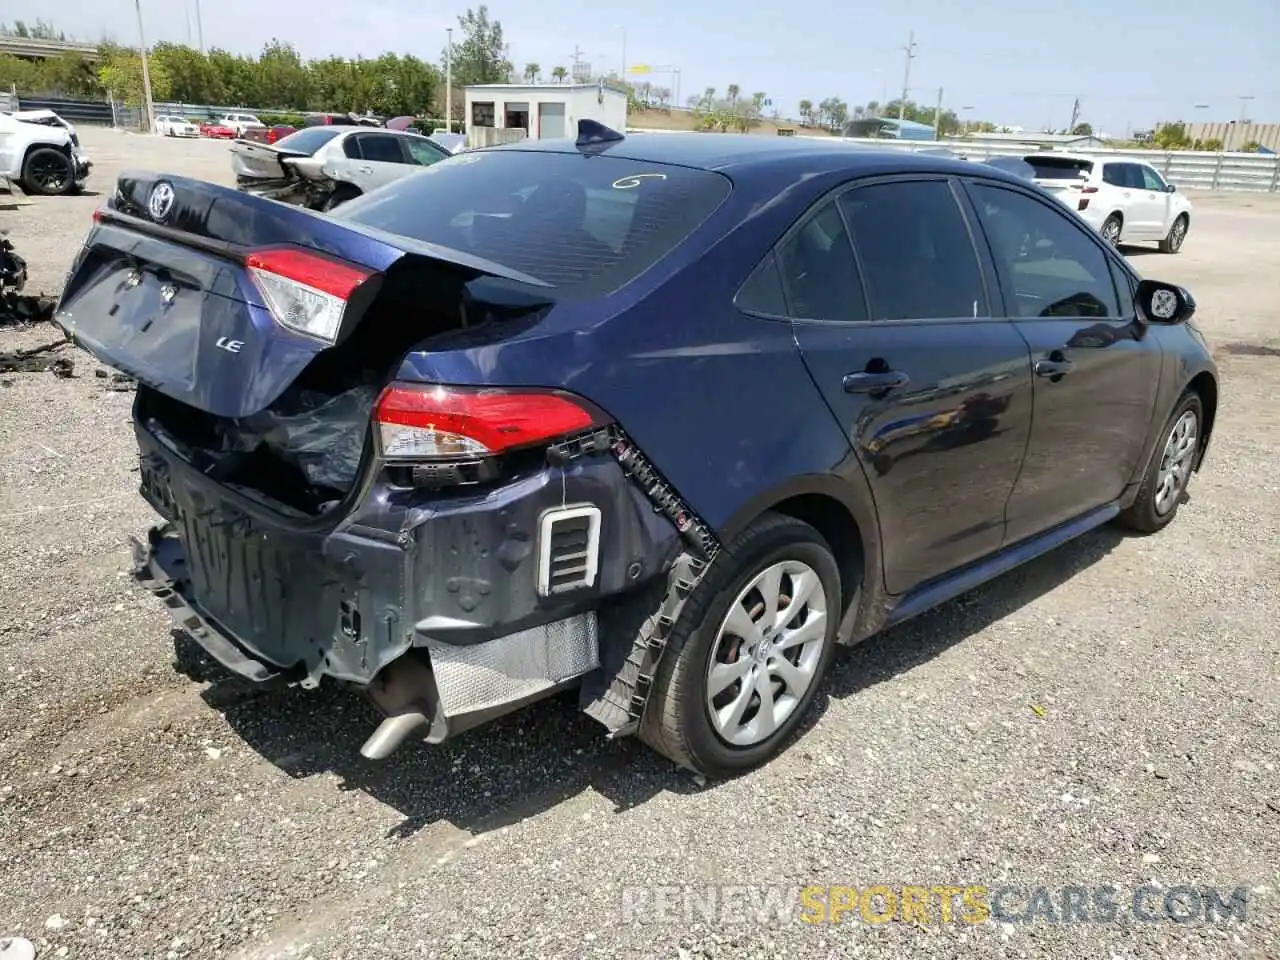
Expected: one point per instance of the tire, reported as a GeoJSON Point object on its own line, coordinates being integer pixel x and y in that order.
{"type": "Point", "coordinates": [340, 195]}
{"type": "Point", "coordinates": [48, 172]}
{"type": "Point", "coordinates": [677, 721]}
{"type": "Point", "coordinates": [1111, 228]}
{"type": "Point", "coordinates": [1177, 234]}
{"type": "Point", "coordinates": [1170, 469]}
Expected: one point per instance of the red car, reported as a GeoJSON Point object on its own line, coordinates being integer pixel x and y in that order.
{"type": "Point", "coordinates": [218, 131]}
{"type": "Point", "coordinates": [268, 135]}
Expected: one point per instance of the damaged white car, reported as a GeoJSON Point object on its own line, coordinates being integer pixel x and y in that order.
{"type": "Point", "coordinates": [324, 166]}
{"type": "Point", "coordinates": [41, 153]}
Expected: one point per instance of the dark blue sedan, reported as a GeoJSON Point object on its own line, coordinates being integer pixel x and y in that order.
{"type": "Point", "coordinates": [661, 419]}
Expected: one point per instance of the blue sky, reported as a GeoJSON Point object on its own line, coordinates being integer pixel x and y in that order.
{"type": "Point", "coordinates": [1011, 62]}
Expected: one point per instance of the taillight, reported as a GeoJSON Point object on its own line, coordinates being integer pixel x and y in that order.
{"type": "Point", "coordinates": [306, 292]}
{"type": "Point", "coordinates": [1088, 189]}
{"type": "Point", "coordinates": [1084, 201]}
{"type": "Point", "coordinates": [435, 422]}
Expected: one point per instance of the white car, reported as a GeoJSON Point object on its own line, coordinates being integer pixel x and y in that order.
{"type": "Point", "coordinates": [240, 122]}
{"type": "Point", "coordinates": [41, 153]}
{"type": "Point", "coordinates": [173, 126]}
{"type": "Point", "coordinates": [1125, 200]}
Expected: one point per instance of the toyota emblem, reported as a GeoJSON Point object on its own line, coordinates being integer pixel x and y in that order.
{"type": "Point", "coordinates": [160, 203]}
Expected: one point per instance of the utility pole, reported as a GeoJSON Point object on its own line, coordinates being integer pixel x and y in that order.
{"type": "Point", "coordinates": [1238, 139]}
{"type": "Point", "coordinates": [199, 27]}
{"type": "Point", "coordinates": [910, 49]}
{"type": "Point", "coordinates": [148, 108]}
{"type": "Point", "coordinates": [624, 52]}
{"type": "Point", "coordinates": [448, 82]}
{"type": "Point", "coordinates": [937, 117]}
{"type": "Point", "coordinates": [1075, 115]}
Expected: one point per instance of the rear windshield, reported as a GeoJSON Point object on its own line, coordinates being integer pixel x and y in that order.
{"type": "Point", "coordinates": [1059, 168]}
{"type": "Point", "coordinates": [585, 225]}
{"type": "Point", "coordinates": [307, 141]}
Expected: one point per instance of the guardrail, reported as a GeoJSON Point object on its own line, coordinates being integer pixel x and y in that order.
{"type": "Point", "coordinates": [1191, 169]}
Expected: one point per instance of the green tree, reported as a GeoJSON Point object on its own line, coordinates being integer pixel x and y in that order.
{"type": "Point", "coordinates": [481, 57]}
{"type": "Point", "coordinates": [121, 76]}
{"type": "Point", "coordinates": [1082, 130]}
{"type": "Point", "coordinates": [195, 80]}
{"type": "Point", "coordinates": [531, 72]}
{"type": "Point", "coordinates": [1213, 144]}
{"type": "Point", "coordinates": [1172, 136]}
{"type": "Point", "coordinates": [733, 93]}
{"type": "Point", "coordinates": [33, 31]}
{"type": "Point", "coordinates": [558, 74]}
{"type": "Point", "coordinates": [1253, 146]}
{"type": "Point", "coordinates": [280, 77]}
{"type": "Point", "coordinates": [806, 112]}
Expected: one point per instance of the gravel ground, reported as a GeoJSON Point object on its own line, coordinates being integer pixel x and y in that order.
{"type": "Point", "coordinates": [1106, 716]}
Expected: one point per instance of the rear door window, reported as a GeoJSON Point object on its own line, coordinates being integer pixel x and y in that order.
{"type": "Point", "coordinates": [918, 260]}
{"type": "Point", "coordinates": [381, 148]}
{"type": "Point", "coordinates": [587, 226]}
{"type": "Point", "coordinates": [820, 272]}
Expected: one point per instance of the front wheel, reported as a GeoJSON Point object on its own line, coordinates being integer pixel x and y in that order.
{"type": "Point", "coordinates": [748, 654]}
{"type": "Point", "coordinates": [1170, 469]}
{"type": "Point", "coordinates": [1177, 233]}
{"type": "Point", "coordinates": [340, 195]}
{"type": "Point", "coordinates": [48, 172]}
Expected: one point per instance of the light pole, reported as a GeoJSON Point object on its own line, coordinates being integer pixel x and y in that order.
{"type": "Point", "coordinates": [448, 82]}
{"type": "Point", "coordinates": [147, 106]}
{"type": "Point", "coordinates": [1244, 106]}
{"type": "Point", "coordinates": [199, 27]}
{"type": "Point", "coordinates": [623, 28]}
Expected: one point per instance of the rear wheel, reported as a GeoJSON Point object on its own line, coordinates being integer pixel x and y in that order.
{"type": "Point", "coordinates": [48, 172]}
{"type": "Point", "coordinates": [1111, 229]}
{"type": "Point", "coordinates": [1170, 470]}
{"type": "Point", "coordinates": [1177, 233]}
{"type": "Point", "coordinates": [749, 652]}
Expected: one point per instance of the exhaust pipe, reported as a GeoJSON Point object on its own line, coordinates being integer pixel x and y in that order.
{"type": "Point", "coordinates": [405, 691]}
{"type": "Point", "coordinates": [392, 732]}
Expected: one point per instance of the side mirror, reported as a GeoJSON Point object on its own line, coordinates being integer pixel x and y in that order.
{"type": "Point", "coordinates": [1170, 188]}
{"type": "Point", "coordinates": [1164, 302]}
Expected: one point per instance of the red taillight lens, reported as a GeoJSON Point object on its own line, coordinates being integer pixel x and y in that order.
{"type": "Point", "coordinates": [1083, 204]}
{"type": "Point", "coordinates": [97, 215]}
{"type": "Point", "coordinates": [1088, 189]}
{"type": "Point", "coordinates": [439, 422]}
{"type": "Point", "coordinates": [306, 292]}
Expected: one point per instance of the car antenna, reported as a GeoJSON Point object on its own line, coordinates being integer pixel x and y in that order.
{"type": "Point", "coordinates": [592, 133]}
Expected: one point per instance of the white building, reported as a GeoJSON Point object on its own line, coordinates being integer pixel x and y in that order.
{"type": "Point", "coordinates": [545, 111]}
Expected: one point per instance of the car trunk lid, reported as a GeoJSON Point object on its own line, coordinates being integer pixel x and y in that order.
{"type": "Point", "coordinates": [220, 299]}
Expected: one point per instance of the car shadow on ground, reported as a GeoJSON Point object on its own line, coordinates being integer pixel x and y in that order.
{"type": "Point", "coordinates": [526, 763]}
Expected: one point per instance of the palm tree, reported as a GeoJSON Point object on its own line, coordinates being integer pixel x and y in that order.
{"type": "Point", "coordinates": [531, 71]}
{"type": "Point", "coordinates": [558, 74]}
{"type": "Point", "coordinates": [733, 93]}
{"type": "Point", "coordinates": [806, 112]}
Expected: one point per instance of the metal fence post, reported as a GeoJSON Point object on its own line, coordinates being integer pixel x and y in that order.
{"type": "Point", "coordinates": [1275, 175]}
{"type": "Point", "coordinates": [1168, 162]}
{"type": "Point", "coordinates": [1217, 169]}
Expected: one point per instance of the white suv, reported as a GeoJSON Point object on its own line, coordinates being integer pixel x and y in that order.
{"type": "Point", "coordinates": [1125, 200]}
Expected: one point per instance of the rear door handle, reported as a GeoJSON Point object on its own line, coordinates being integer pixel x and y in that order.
{"type": "Point", "coordinates": [1055, 366]}
{"type": "Point", "coordinates": [865, 382]}
{"type": "Point", "coordinates": [366, 169]}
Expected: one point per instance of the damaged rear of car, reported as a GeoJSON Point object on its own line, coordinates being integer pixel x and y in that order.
{"type": "Point", "coordinates": [361, 474]}
{"type": "Point", "coordinates": [322, 167]}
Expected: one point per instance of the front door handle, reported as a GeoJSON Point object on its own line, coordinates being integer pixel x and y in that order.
{"type": "Point", "coordinates": [366, 169]}
{"type": "Point", "coordinates": [1055, 367]}
{"type": "Point", "coordinates": [873, 383]}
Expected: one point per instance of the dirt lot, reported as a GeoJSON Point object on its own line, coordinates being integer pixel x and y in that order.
{"type": "Point", "coordinates": [1108, 716]}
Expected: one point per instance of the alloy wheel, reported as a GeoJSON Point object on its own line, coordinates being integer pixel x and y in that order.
{"type": "Point", "coordinates": [1177, 234]}
{"type": "Point", "coordinates": [767, 653]}
{"type": "Point", "coordinates": [50, 175]}
{"type": "Point", "coordinates": [1176, 462]}
{"type": "Point", "coordinates": [1111, 231]}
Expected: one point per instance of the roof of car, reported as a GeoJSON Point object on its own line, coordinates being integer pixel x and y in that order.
{"type": "Point", "coordinates": [726, 151]}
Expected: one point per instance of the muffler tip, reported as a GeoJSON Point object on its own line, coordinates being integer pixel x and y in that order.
{"type": "Point", "coordinates": [392, 732]}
